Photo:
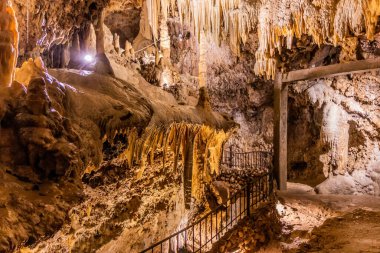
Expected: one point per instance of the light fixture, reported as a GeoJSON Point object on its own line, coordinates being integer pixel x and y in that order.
{"type": "Point", "coordinates": [88, 58]}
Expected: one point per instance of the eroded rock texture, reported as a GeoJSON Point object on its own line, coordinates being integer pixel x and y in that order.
{"type": "Point", "coordinates": [41, 158]}
{"type": "Point", "coordinates": [339, 122]}
{"type": "Point", "coordinates": [54, 132]}
{"type": "Point", "coordinates": [233, 87]}
{"type": "Point", "coordinates": [104, 158]}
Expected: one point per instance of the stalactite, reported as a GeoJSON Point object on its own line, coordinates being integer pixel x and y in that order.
{"type": "Point", "coordinates": [202, 65]}
{"type": "Point", "coordinates": [145, 31]}
{"type": "Point", "coordinates": [154, 9]}
{"type": "Point", "coordinates": [325, 21]}
{"type": "Point", "coordinates": [165, 38]}
{"type": "Point", "coordinates": [205, 142]}
{"type": "Point", "coordinates": [27, 24]}
{"type": "Point", "coordinates": [74, 51]}
{"type": "Point", "coordinates": [346, 10]}
{"type": "Point", "coordinates": [103, 65]}
{"type": "Point", "coordinates": [371, 12]}
{"type": "Point", "coordinates": [279, 22]}
{"type": "Point", "coordinates": [196, 178]}
{"type": "Point", "coordinates": [8, 43]}
{"type": "Point", "coordinates": [209, 16]}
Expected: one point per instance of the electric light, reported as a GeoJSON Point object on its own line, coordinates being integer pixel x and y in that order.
{"type": "Point", "coordinates": [88, 58]}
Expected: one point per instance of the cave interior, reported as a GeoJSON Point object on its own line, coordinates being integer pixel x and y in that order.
{"type": "Point", "coordinates": [185, 126]}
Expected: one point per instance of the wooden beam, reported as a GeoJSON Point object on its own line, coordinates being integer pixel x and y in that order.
{"type": "Point", "coordinates": [280, 132]}
{"type": "Point", "coordinates": [332, 70]}
{"type": "Point", "coordinates": [281, 105]}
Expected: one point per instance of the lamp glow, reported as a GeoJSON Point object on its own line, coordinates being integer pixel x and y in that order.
{"type": "Point", "coordinates": [88, 58]}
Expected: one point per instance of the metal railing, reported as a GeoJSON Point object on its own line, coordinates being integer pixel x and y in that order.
{"type": "Point", "coordinates": [200, 236]}
{"type": "Point", "coordinates": [256, 160]}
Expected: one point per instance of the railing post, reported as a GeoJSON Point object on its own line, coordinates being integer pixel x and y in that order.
{"type": "Point", "coordinates": [271, 173]}
{"type": "Point", "coordinates": [248, 191]}
{"type": "Point", "coordinates": [230, 157]}
{"type": "Point", "coordinates": [270, 181]}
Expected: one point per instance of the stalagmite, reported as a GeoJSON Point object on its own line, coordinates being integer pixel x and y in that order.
{"type": "Point", "coordinates": [99, 31]}
{"type": "Point", "coordinates": [165, 39]}
{"type": "Point", "coordinates": [166, 76]}
{"type": "Point", "coordinates": [334, 133]}
{"type": "Point", "coordinates": [129, 51]}
{"type": "Point", "coordinates": [8, 43]}
{"type": "Point", "coordinates": [103, 65]}
{"type": "Point", "coordinates": [116, 42]}
{"type": "Point", "coordinates": [203, 100]}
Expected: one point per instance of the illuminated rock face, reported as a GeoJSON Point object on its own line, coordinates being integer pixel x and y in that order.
{"type": "Point", "coordinates": [42, 119]}
{"type": "Point", "coordinates": [336, 134]}
{"type": "Point", "coordinates": [53, 131]}
{"type": "Point", "coordinates": [279, 23]}
{"type": "Point", "coordinates": [8, 43]}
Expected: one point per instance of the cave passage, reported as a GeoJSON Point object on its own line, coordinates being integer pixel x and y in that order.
{"type": "Point", "coordinates": [226, 126]}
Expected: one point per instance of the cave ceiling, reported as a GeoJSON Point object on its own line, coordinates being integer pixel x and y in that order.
{"type": "Point", "coordinates": [288, 31]}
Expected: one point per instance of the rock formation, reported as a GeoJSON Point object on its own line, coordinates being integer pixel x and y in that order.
{"type": "Point", "coordinates": [118, 112]}
{"type": "Point", "coordinates": [8, 43]}
{"type": "Point", "coordinates": [346, 146]}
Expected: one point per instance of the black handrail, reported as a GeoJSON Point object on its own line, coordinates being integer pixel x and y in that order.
{"type": "Point", "coordinates": [240, 204]}
{"type": "Point", "coordinates": [247, 160]}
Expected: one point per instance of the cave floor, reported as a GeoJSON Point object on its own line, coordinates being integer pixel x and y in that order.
{"type": "Point", "coordinates": [326, 223]}
{"type": "Point", "coordinates": [357, 231]}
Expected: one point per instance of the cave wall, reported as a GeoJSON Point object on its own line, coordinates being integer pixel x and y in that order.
{"type": "Point", "coordinates": [125, 24]}
{"type": "Point", "coordinates": [233, 87]}
{"type": "Point", "coordinates": [334, 124]}
{"type": "Point", "coordinates": [332, 145]}
{"type": "Point", "coordinates": [304, 131]}
{"type": "Point", "coordinates": [334, 134]}
{"type": "Point", "coordinates": [236, 91]}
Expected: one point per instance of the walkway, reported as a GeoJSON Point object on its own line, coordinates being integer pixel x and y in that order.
{"type": "Point", "coordinates": [327, 223]}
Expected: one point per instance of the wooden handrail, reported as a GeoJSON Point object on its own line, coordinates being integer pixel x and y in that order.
{"type": "Point", "coordinates": [331, 70]}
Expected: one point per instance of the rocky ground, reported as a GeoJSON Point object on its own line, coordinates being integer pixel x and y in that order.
{"type": "Point", "coordinates": [327, 223]}
{"type": "Point", "coordinates": [356, 231]}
